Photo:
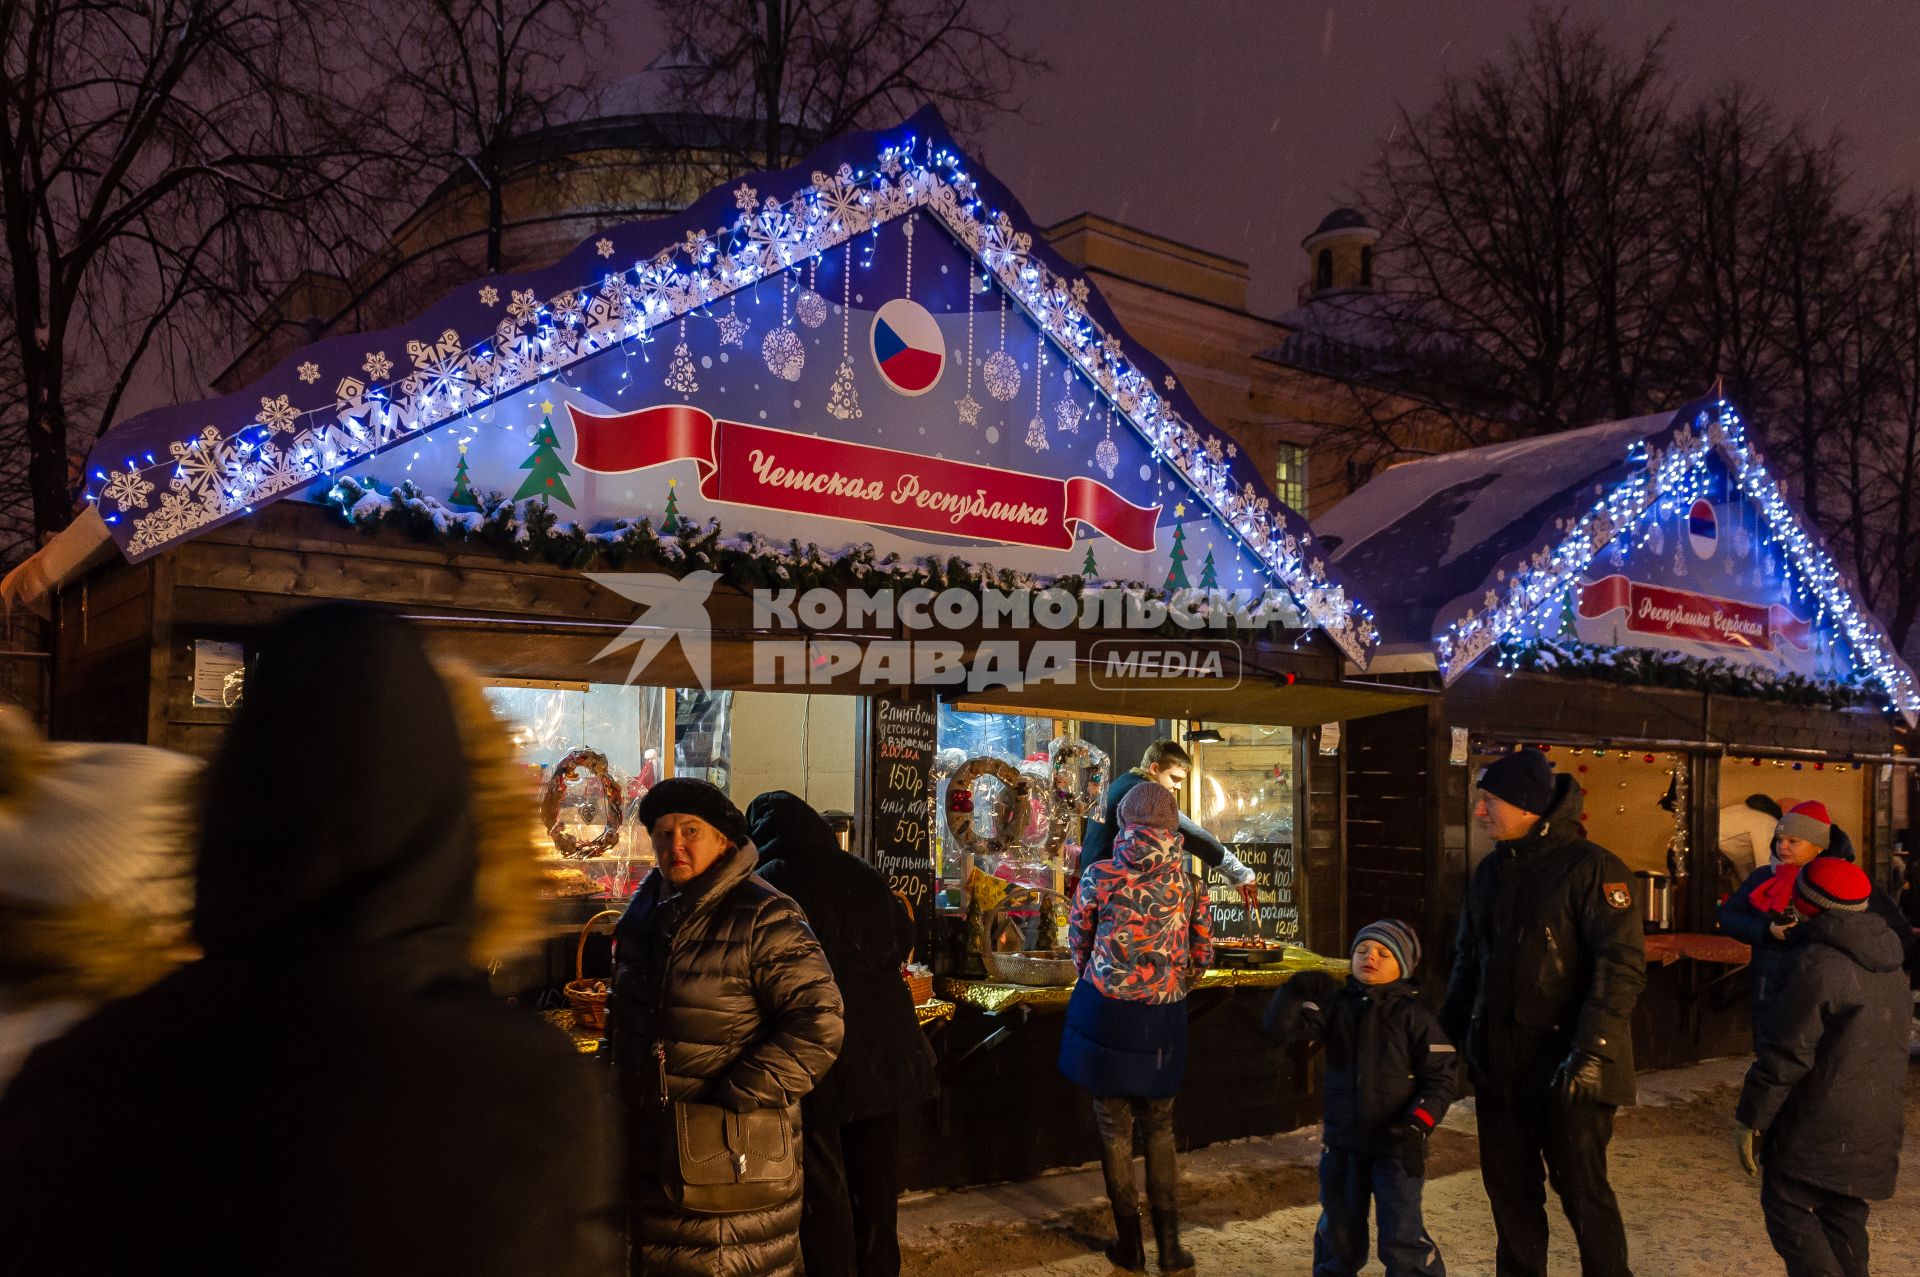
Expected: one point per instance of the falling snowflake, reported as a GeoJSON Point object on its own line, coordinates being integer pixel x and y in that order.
{"type": "Point", "coordinates": [489, 295]}
{"type": "Point", "coordinates": [378, 365]}
{"type": "Point", "coordinates": [277, 414]}
{"type": "Point", "coordinates": [127, 489]}
{"type": "Point", "coordinates": [732, 329]}
{"type": "Point", "coordinates": [1037, 435]}
{"type": "Point", "coordinates": [1106, 456]}
{"type": "Point", "coordinates": [680, 378]}
{"type": "Point", "coordinates": [1002, 375]}
{"type": "Point", "coordinates": [784, 354]}
{"type": "Point", "coordinates": [1066, 416]}
{"type": "Point", "coordinates": [843, 401]}
{"type": "Point", "coordinates": [604, 247]}
{"type": "Point", "coordinates": [811, 307]}
{"type": "Point", "coordinates": [309, 372]}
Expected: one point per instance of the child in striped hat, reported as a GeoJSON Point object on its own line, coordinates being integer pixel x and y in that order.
{"type": "Point", "coordinates": [1391, 1074]}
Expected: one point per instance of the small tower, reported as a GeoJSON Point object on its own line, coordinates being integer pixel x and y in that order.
{"type": "Point", "coordinates": [1339, 255]}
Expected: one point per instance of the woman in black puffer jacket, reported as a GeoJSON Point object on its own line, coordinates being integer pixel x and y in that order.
{"type": "Point", "coordinates": [721, 974]}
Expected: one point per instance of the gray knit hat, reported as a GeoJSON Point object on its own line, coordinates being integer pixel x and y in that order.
{"type": "Point", "coordinates": [1400, 940]}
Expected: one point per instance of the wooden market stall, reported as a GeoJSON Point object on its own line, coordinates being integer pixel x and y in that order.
{"type": "Point", "coordinates": [1640, 600]}
{"type": "Point", "coordinates": [832, 481]}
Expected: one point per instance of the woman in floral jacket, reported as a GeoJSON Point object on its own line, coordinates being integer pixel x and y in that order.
{"type": "Point", "coordinates": [1140, 932]}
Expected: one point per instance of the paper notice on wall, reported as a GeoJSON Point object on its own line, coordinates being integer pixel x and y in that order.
{"type": "Point", "coordinates": [218, 670]}
{"type": "Point", "coordinates": [1458, 755]}
{"type": "Point", "coordinates": [1329, 738]}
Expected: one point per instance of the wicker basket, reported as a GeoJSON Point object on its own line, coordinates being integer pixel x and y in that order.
{"type": "Point", "coordinates": [920, 986]}
{"type": "Point", "coordinates": [589, 1002]}
{"type": "Point", "coordinates": [1040, 967]}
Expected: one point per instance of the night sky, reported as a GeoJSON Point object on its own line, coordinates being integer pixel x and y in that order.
{"type": "Point", "coordinates": [1235, 126]}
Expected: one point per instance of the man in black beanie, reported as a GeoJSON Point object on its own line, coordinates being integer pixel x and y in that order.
{"type": "Point", "coordinates": [1548, 964]}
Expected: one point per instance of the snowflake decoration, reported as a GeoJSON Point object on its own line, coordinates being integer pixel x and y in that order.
{"type": "Point", "coordinates": [745, 198]}
{"type": "Point", "coordinates": [569, 308]}
{"type": "Point", "coordinates": [1066, 416]}
{"type": "Point", "coordinates": [309, 372]}
{"type": "Point", "coordinates": [1002, 375]}
{"type": "Point", "coordinates": [732, 329]}
{"type": "Point", "coordinates": [1215, 449]}
{"type": "Point", "coordinates": [969, 409]}
{"type": "Point", "coordinates": [784, 354]}
{"type": "Point", "coordinates": [277, 414]}
{"type": "Point", "coordinates": [489, 295]}
{"type": "Point", "coordinates": [604, 247]}
{"type": "Point", "coordinates": [1106, 456]}
{"type": "Point", "coordinates": [1169, 380]}
{"type": "Point", "coordinates": [1080, 293]}
{"type": "Point", "coordinates": [842, 201]}
{"type": "Point", "coordinates": [378, 365]}
{"type": "Point", "coordinates": [811, 307]}
{"type": "Point", "coordinates": [196, 462]}
{"type": "Point", "coordinates": [1037, 435]}
{"type": "Point", "coordinates": [843, 401]}
{"type": "Point", "coordinates": [680, 377]}
{"type": "Point", "coordinates": [127, 489]}
{"type": "Point", "coordinates": [523, 307]}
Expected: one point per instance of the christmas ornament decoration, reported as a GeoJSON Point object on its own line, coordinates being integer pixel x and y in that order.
{"type": "Point", "coordinates": [1037, 427]}
{"type": "Point", "coordinates": [785, 355]}
{"type": "Point", "coordinates": [810, 306]}
{"type": "Point", "coordinates": [545, 471]}
{"type": "Point", "coordinates": [966, 405]}
{"type": "Point", "coordinates": [1001, 372]}
{"type": "Point", "coordinates": [680, 375]}
{"type": "Point", "coordinates": [843, 401]}
{"type": "Point", "coordinates": [1067, 413]}
{"type": "Point", "coordinates": [670, 517]}
{"type": "Point", "coordinates": [1177, 574]}
{"type": "Point", "coordinates": [1106, 454]}
{"type": "Point", "coordinates": [560, 786]}
{"type": "Point", "coordinates": [462, 497]}
{"type": "Point", "coordinates": [732, 328]}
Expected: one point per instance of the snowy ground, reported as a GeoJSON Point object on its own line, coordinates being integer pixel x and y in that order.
{"type": "Point", "coordinates": [1249, 1206]}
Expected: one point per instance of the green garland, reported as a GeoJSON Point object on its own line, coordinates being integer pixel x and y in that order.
{"type": "Point", "coordinates": [1646, 667]}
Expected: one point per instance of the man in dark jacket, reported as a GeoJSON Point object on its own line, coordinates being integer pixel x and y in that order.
{"type": "Point", "coordinates": [1166, 764]}
{"type": "Point", "coordinates": [1824, 1099]}
{"type": "Point", "coordinates": [329, 1089]}
{"type": "Point", "coordinates": [1549, 963]}
{"type": "Point", "coordinates": [852, 1117]}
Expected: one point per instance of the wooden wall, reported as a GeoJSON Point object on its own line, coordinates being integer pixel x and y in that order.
{"type": "Point", "coordinates": [105, 659]}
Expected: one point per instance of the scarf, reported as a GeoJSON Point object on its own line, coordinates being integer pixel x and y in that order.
{"type": "Point", "coordinates": [1775, 895]}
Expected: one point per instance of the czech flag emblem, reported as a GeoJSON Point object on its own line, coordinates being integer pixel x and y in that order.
{"type": "Point", "coordinates": [1703, 529]}
{"type": "Point", "coordinates": [907, 347]}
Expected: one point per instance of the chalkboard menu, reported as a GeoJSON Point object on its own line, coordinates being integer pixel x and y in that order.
{"type": "Point", "coordinates": [903, 737]}
{"type": "Point", "coordinates": [1273, 874]}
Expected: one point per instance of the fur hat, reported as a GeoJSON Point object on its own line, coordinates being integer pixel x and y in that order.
{"type": "Point", "coordinates": [1151, 805]}
{"type": "Point", "coordinates": [683, 795]}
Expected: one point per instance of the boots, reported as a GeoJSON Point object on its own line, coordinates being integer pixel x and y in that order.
{"type": "Point", "coordinates": [1128, 1251]}
{"type": "Point", "coordinates": [1166, 1238]}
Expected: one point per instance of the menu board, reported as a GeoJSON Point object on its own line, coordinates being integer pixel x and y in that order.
{"type": "Point", "coordinates": [1273, 874]}
{"type": "Point", "coordinates": [904, 734]}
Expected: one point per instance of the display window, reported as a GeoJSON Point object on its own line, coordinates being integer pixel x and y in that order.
{"type": "Point", "coordinates": [1242, 791]}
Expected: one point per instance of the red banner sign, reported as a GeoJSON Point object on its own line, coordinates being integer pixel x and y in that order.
{"type": "Point", "coordinates": [1696, 618]}
{"type": "Point", "coordinates": [749, 465]}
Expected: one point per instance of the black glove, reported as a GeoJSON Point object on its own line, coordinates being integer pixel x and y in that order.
{"type": "Point", "coordinates": [1577, 1080]}
{"type": "Point", "coordinates": [1412, 1143]}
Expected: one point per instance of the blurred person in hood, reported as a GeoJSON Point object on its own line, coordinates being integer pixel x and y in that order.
{"type": "Point", "coordinates": [849, 1223]}
{"type": "Point", "coordinates": [328, 1088]}
{"type": "Point", "coordinates": [93, 878]}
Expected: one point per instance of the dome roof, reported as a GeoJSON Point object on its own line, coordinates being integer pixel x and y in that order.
{"type": "Point", "coordinates": [1341, 219]}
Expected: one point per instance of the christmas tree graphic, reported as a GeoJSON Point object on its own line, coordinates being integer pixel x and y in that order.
{"type": "Point", "coordinates": [1177, 577]}
{"type": "Point", "coordinates": [1089, 569]}
{"type": "Point", "coordinates": [545, 469]}
{"type": "Point", "coordinates": [462, 497]}
{"type": "Point", "coordinates": [670, 521]}
{"type": "Point", "coordinates": [1208, 580]}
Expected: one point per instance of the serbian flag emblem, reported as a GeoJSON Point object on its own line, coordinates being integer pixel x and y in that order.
{"type": "Point", "coordinates": [907, 347]}
{"type": "Point", "coordinates": [1703, 529]}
